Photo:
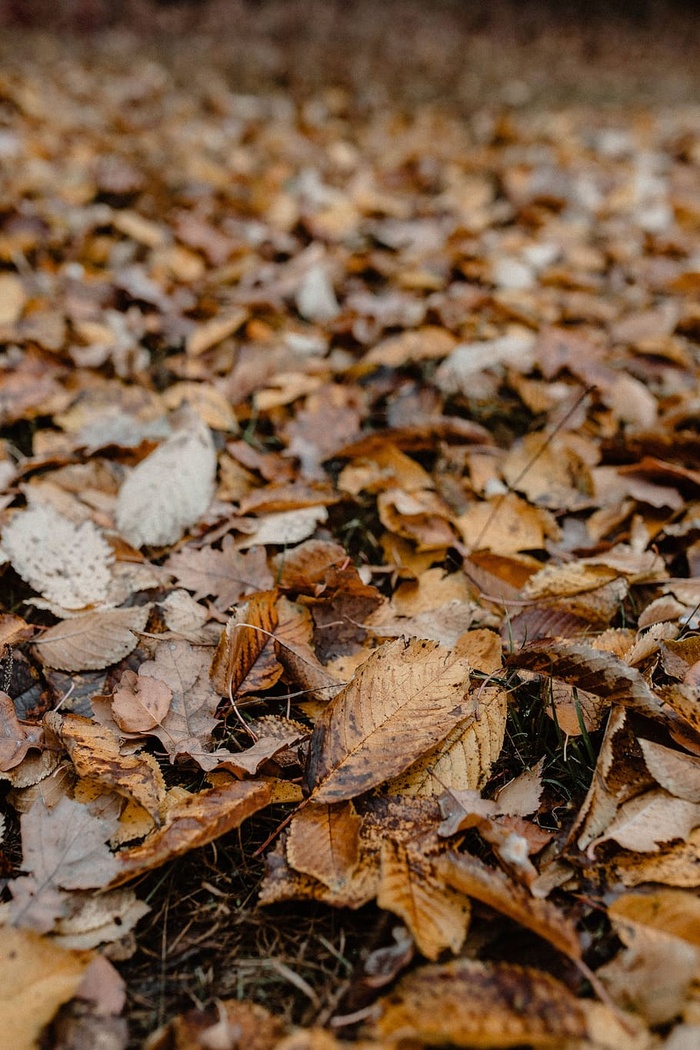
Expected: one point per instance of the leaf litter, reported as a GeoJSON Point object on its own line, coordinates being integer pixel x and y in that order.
{"type": "Point", "coordinates": [349, 538]}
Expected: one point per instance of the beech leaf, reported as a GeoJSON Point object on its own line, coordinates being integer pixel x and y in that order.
{"type": "Point", "coordinates": [405, 698]}
{"type": "Point", "coordinates": [94, 640]}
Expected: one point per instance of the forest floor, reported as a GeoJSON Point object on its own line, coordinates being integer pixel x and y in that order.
{"type": "Point", "coordinates": [349, 526]}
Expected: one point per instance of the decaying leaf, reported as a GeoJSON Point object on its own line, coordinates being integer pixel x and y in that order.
{"type": "Point", "coordinates": [405, 698]}
{"type": "Point", "coordinates": [140, 702]}
{"type": "Point", "coordinates": [170, 489]}
{"type": "Point", "coordinates": [93, 640]}
{"type": "Point", "coordinates": [474, 1004]}
{"type": "Point", "coordinates": [225, 574]}
{"type": "Point", "coordinates": [68, 564]}
{"type": "Point", "coordinates": [16, 738]}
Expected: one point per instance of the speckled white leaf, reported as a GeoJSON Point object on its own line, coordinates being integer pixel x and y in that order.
{"type": "Point", "coordinates": [286, 527]}
{"type": "Point", "coordinates": [67, 563]}
{"type": "Point", "coordinates": [170, 489]}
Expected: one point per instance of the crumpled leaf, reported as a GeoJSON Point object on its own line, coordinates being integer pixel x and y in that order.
{"type": "Point", "coordinates": [170, 489]}
{"type": "Point", "coordinates": [94, 640]}
{"type": "Point", "coordinates": [245, 638]}
{"type": "Point", "coordinates": [405, 698]}
{"type": "Point", "coordinates": [68, 564]}
{"type": "Point", "coordinates": [193, 821]}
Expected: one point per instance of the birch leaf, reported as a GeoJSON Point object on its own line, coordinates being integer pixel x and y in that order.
{"type": "Point", "coordinates": [405, 698]}
{"type": "Point", "coordinates": [324, 842]}
{"type": "Point", "coordinates": [169, 490]}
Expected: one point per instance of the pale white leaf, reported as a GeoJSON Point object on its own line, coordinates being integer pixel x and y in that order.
{"type": "Point", "coordinates": [286, 527]}
{"type": "Point", "coordinates": [169, 490]}
{"type": "Point", "coordinates": [67, 563]}
{"type": "Point", "coordinates": [92, 641]}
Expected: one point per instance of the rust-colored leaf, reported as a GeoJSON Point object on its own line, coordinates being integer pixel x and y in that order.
{"type": "Point", "coordinates": [323, 841]}
{"type": "Point", "coordinates": [193, 821]}
{"type": "Point", "coordinates": [405, 698]}
{"type": "Point", "coordinates": [244, 639]}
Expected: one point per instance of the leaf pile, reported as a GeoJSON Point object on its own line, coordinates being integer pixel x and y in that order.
{"type": "Point", "coordinates": [350, 501]}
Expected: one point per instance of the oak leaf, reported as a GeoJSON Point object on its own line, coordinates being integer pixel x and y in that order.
{"type": "Point", "coordinates": [405, 698]}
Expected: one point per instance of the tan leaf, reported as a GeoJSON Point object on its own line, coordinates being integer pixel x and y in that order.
{"type": "Point", "coordinates": [472, 877]}
{"type": "Point", "coordinates": [436, 916]}
{"type": "Point", "coordinates": [68, 564]}
{"type": "Point", "coordinates": [244, 639]}
{"type": "Point", "coordinates": [675, 771]}
{"type": "Point", "coordinates": [38, 977]}
{"type": "Point", "coordinates": [506, 525]}
{"type": "Point", "coordinates": [94, 752]}
{"type": "Point", "coordinates": [225, 575]}
{"type": "Point", "coordinates": [521, 797]}
{"type": "Point", "coordinates": [169, 490]}
{"type": "Point", "coordinates": [405, 698]}
{"type": "Point", "coordinates": [473, 1004]}
{"type": "Point", "coordinates": [139, 702]}
{"type": "Point", "coordinates": [323, 841]}
{"type": "Point", "coordinates": [193, 821]}
{"type": "Point", "coordinates": [64, 848]}
{"type": "Point", "coordinates": [94, 640]}
{"type": "Point", "coordinates": [465, 758]}
{"type": "Point", "coordinates": [669, 910]}
{"type": "Point", "coordinates": [12, 299]}
{"type": "Point", "coordinates": [647, 821]}
{"type": "Point", "coordinates": [677, 865]}
{"type": "Point", "coordinates": [209, 333]}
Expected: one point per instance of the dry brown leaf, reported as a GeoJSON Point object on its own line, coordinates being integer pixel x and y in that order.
{"type": "Point", "coordinates": [38, 978]}
{"type": "Point", "coordinates": [193, 821]}
{"type": "Point", "coordinates": [67, 563]}
{"type": "Point", "coordinates": [473, 1004]}
{"type": "Point", "coordinates": [675, 771]}
{"type": "Point", "coordinates": [304, 568]}
{"type": "Point", "coordinates": [225, 575]}
{"type": "Point", "coordinates": [472, 877]}
{"type": "Point", "coordinates": [324, 842]}
{"type": "Point", "coordinates": [437, 916]}
{"type": "Point", "coordinates": [94, 751]}
{"type": "Point", "coordinates": [16, 738]}
{"type": "Point", "coordinates": [672, 911]}
{"type": "Point", "coordinates": [245, 638]}
{"type": "Point", "coordinates": [404, 699]}
{"type": "Point", "coordinates": [600, 673]}
{"type": "Point", "coordinates": [465, 758]}
{"type": "Point", "coordinates": [677, 865]}
{"type": "Point", "coordinates": [140, 702]}
{"type": "Point", "coordinates": [224, 1024]}
{"type": "Point", "coordinates": [645, 822]}
{"type": "Point", "coordinates": [169, 490]}
{"type": "Point", "coordinates": [187, 727]}
{"type": "Point", "coordinates": [506, 525]}
{"type": "Point", "coordinates": [94, 640]}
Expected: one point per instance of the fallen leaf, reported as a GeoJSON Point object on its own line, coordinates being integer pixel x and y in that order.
{"type": "Point", "coordinates": [67, 563]}
{"type": "Point", "coordinates": [645, 822]}
{"type": "Point", "coordinates": [247, 635]}
{"type": "Point", "coordinates": [469, 1004]}
{"type": "Point", "coordinates": [16, 738]}
{"type": "Point", "coordinates": [323, 841]}
{"type": "Point", "coordinates": [38, 978]}
{"type": "Point", "coordinates": [225, 575]}
{"type": "Point", "coordinates": [405, 698]}
{"type": "Point", "coordinates": [94, 640]}
{"type": "Point", "coordinates": [409, 886]}
{"type": "Point", "coordinates": [170, 489]}
{"type": "Point", "coordinates": [673, 770]}
{"type": "Point", "coordinates": [193, 821]}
